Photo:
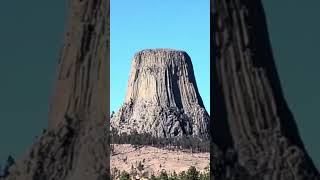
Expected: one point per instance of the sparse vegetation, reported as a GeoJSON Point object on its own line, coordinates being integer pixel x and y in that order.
{"type": "Point", "coordinates": [185, 142]}
{"type": "Point", "coordinates": [140, 166]}
{"type": "Point", "coordinates": [191, 174]}
{"type": "Point", "coordinates": [137, 141]}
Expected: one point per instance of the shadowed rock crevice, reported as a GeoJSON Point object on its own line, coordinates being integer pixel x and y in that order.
{"type": "Point", "coordinates": [250, 113]}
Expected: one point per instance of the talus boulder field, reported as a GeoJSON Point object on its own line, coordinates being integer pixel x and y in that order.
{"type": "Point", "coordinates": [162, 97]}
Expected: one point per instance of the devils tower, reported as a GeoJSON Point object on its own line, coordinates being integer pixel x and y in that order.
{"type": "Point", "coordinates": [75, 145]}
{"type": "Point", "coordinates": [162, 97]}
{"type": "Point", "coordinates": [253, 126]}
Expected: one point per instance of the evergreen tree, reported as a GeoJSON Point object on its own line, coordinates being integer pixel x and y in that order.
{"type": "Point", "coordinates": [163, 175]}
{"type": "Point", "coordinates": [183, 175]}
{"type": "Point", "coordinates": [174, 176]}
{"type": "Point", "coordinates": [124, 175]}
{"type": "Point", "coordinates": [192, 173]}
{"type": "Point", "coordinates": [153, 177]}
{"type": "Point", "coordinates": [185, 142]}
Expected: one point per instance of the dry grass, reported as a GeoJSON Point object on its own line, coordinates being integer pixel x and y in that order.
{"type": "Point", "coordinates": [125, 156]}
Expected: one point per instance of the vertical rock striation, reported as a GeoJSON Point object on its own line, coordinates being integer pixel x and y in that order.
{"type": "Point", "coordinates": [80, 88]}
{"type": "Point", "coordinates": [162, 97]}
{"type": "Point", "coordinates": [253, 125]}
{"type": "Point", "coordinates": [75, 147]}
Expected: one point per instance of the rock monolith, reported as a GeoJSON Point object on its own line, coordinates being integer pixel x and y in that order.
{"type": "Point", "coordinates": [75, 145]}
{"type": "Point", "coordinates": [162, 97]}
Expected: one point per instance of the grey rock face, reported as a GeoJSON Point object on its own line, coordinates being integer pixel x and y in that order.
{"type": "Point", "coordinates": [76, 147]}
{"type": "Point", "coordinates": [253, 125]}
{"type": "Point", "coordinates": [81, 85]}
{"type": "Point", "coordinates": [162, 97]}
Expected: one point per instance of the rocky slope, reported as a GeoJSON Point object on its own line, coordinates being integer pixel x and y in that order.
{"type": "Point", "coordinates": [253, 125]}
{"type": "Point", "coordinates": [162, 97]}
{"type": "Point", "coordinates": [75, 146]}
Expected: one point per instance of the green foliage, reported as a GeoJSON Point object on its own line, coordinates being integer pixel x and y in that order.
{"type": "Point", "coordinates": [204, 176]}
{"type": "Point", "coordinates": [153, 177]}
{"type": "Point", "coordinates": [163, 175]}
{"type": "Point", "coordinates": [191, 174]}
{"type": "Point", "coordinates": [183, 175]}
{"type": "Point", "coordinates": [174, 176]}
{"type": "Point", "coordinates": [124, 175]}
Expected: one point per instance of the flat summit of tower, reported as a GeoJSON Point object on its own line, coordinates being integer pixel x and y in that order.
{"type": "Point", "coordinates": [162, 50]}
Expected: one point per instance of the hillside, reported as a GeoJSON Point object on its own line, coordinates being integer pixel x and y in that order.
{"type": "Point", "coordinates": [152, 160]}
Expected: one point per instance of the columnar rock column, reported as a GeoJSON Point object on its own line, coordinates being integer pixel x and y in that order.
{"type": "Point", "coordinates": [81, 84]}
{"type": "Point", "coordinates": [162, 97]}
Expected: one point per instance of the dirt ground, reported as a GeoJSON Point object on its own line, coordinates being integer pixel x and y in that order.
{"type": "Point", "coordinates": [154, 160]}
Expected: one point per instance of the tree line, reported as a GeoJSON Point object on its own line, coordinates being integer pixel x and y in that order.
{"type": "Point", "coordinates": [184, 142]}
{"type": "Point", "coordinates": [191, 174]}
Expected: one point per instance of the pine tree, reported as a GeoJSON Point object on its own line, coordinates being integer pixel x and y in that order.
{"type": "Point", "coordinates": [153, 177]}
{"type": "Point", "coordinates": [124, 175]}
{"type": "Point", "coordinates": [192, 173]}
{"type": "Point", "coordinates": [163, 175]}
{"type": "Point", "coordinates": [183, 175]}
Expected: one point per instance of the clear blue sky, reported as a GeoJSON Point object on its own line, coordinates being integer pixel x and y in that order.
{"type": "Point", "coordinates": [141, 24]}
